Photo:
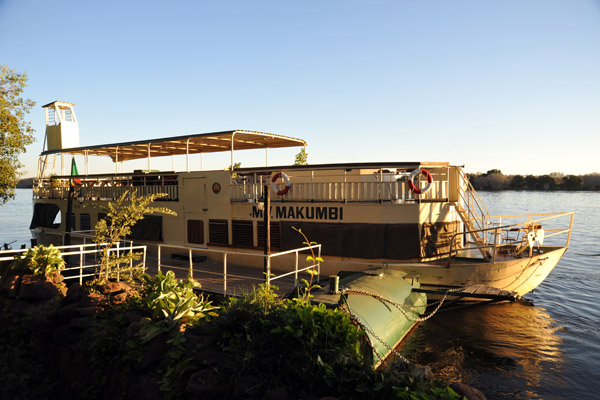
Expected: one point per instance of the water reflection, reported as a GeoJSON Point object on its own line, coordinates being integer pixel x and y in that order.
{"type": "Point", "coordinates": [508, 351]}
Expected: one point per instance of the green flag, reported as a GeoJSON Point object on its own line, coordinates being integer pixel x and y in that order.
{"type": "Point", "coordinates": [74, 172]}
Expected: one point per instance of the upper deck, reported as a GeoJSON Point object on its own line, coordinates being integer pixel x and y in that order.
{"type": "Point", "coordinates": [358, 182]}
{"type": "Point", "coordinates": [348, 182]}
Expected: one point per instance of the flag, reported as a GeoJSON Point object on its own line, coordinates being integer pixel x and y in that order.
{"type": "Point", "coordinates": [74, 172]}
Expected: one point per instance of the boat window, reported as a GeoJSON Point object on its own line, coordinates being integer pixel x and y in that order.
{"type": "Point", "coordinates": [84, 222]}
{"type": "Point", "coordinates": [195, 231]}
{"type": "Point", "coordinates": [275, 234]}
{"type": "Point", "coordinates": [218, 231]}
{"type": "Point", "coordinates": [148, 228]}
{"type": "Point", "coordinates": [46, 216]}
{"type": "Point", "coordinates": [242, 233]}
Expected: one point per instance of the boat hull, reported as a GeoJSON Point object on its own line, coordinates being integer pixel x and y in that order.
{"type": "Point", "coordinates": [513, 274]}
{"type": "Point", "coordinates": [383, 302]}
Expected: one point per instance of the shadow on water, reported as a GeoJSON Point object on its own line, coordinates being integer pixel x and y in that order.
{"type": "Point", "coordinates": [508, 350]}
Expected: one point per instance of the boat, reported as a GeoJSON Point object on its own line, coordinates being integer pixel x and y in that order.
{"type": "Point", "coordinates": [419, 217]}
{"type": "Point", "coordinates": [383, 301]}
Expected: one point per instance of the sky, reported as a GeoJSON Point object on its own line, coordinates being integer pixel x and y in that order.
{"type": "Point", "coordinates": [511, 85]}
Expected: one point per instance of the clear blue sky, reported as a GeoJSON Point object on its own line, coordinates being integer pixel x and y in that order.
{"type": "Point", "coordinates": [513, 85]}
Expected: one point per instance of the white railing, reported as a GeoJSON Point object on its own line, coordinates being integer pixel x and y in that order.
{"type": "Point", "coordinates": [104, 189]}
{"type": "Point", "coordinates": [396, 192]}
{"type": "Point", "coordinates": [513, 237]}
{"type": "Point", "coordinates": [269, 277]}
{"type": "Point", "coordinates": [85, 266]}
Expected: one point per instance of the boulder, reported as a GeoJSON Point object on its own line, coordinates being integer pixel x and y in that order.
{"type": "Point", "coordinates": [91, 299]}
{"type": "Point", "coordinates": [74, 293]}
{"type": "Point", "coordinates": [10, 286]}
{"type": "Point", "coordinates": [115, 287]}
{"type": "Point", "coordinates": [467, 391]}
{"type": "Point", "coordinates": [37, 287]}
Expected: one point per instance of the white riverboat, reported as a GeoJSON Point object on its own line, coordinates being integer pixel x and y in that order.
{"type": "Point", "coordinates": [423, 218]}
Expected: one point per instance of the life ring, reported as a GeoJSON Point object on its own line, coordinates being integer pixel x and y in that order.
{"type": "Point", "coordinates": [288, 183]}
{"type": "Point", "coordinates": [411, 181]}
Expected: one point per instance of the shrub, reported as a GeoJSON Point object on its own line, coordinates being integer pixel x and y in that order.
{"type": "Point", "coordinates": [39, 260]}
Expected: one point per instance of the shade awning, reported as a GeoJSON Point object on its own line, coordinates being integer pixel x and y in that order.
{"type": "Point", "coordinates": [189, 144]}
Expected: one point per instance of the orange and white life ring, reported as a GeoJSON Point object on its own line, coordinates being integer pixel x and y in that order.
{"type": "Point", "coordinates": [286, 179]}
{"type": "Point", "coordinates": [411, 181]}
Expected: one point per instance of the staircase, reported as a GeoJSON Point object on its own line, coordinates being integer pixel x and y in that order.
{"type": "Point", "coordinates": [472, 212]}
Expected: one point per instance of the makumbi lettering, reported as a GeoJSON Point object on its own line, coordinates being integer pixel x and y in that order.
{"type": "Point", "coordinates": [302, 212]}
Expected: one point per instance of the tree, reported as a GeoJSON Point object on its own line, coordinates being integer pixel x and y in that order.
{"type": "Point", "coordinates": [15, 132]}
{"type": "Point", "coordinates": [121, 215]}
{"type": "Point", "coordinates": [572, 182]}
{"type": "Point", "coordinates": [518, 182]}
{"type": "Point", "coordinates": [301, 158]}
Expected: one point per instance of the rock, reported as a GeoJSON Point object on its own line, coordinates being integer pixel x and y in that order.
{"type": "Point", "coordinates": [85, 311]}
{"type": "Point", "coordinates": [423, 372]}
{"type": "Point", "coordinates": [114, 287]}
{"type": "Point", "coordinates": [91, 299]}
{"type": "Point", "coordinates": [51, 308]}
{"type": "Point", "coordinates": [74, 293]}
{"type": "Point", "coordinates": [66, 313]}
{"type": "Point", "coordinates": [469, 392]}
{"type": "Point", "coordinates": [10, 286]}
{"type": "Point", "coordinates": [37, 287]}
{"type": "Point", "coordinates": [119, 298]}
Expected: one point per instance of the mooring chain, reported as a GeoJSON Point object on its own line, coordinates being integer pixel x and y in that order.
{"type": "Point", "coordinates": [399, 306]}
{"type": "Point", "coordinates": [344, 307]}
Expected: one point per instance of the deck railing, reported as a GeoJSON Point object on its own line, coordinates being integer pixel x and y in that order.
{"type": "Point", "coordinates": [514, 237]}
{"type": "Point", "coordinates": [106, 188]}
{"type": "Point", "coordinates": [224, 275]}
{"type": "Point", "coordinates": [82, 259]}
{"type": "Point", "coordinates": [394, 191]}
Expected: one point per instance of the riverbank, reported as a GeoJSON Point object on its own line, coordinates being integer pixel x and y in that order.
{"type": "Point", "coordinates": [108, 343]}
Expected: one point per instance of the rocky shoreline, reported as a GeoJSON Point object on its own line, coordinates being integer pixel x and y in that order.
{"type": "Point", "coordinates": [64, 325]}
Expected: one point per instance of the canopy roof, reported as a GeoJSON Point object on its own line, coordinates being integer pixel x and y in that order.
{"type": "Point", "coordinates": [189, 144]}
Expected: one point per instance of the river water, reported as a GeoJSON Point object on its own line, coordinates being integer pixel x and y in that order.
{"type": "Point", "coordinates": [547, 350]}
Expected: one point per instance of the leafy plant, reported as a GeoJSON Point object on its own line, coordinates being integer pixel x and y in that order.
{"type": "Point", "coordinates": [39, 260]}
{"type": "Point", "coordinates": [312, 271]}
{"type": "Point", "coordinates": [301, 158]}
{"type": "Point", "coordinates": [121, 215]}
{"type": "Point", "coordinates": [172, 303]}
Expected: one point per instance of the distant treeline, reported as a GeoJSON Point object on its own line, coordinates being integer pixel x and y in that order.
{"type": "Point", "coordinates": [26, 183]}
{"type": "Point", "coordinates": [496, 180]}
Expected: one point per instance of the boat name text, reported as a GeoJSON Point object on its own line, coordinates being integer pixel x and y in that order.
{"type": "Point", "coordinates": [302, 212]}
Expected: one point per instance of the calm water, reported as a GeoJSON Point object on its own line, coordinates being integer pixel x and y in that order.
{"type": "Point", "coordinates": [15, 217]}
{"type": "Point", "coordinates": [550, 350]}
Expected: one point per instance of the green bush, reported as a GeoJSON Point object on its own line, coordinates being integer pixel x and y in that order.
{"type": "Point", "coordinates": [171, 303]}
{"type": "Point", "coordinates": [39, 260]}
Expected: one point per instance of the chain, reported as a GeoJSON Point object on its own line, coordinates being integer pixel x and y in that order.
{"type": "Point", "coordinates": [344, 307]}
{"type": "Point", "coordinates": [399, 306]}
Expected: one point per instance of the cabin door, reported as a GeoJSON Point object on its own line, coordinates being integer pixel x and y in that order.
{"type": "Point", "coordinates": [194, 211]}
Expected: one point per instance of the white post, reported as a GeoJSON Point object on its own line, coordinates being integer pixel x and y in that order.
{"type": "Point", "coordinates": [159, 248]}
{"type": "Point", "coordinates": [225, 274]}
